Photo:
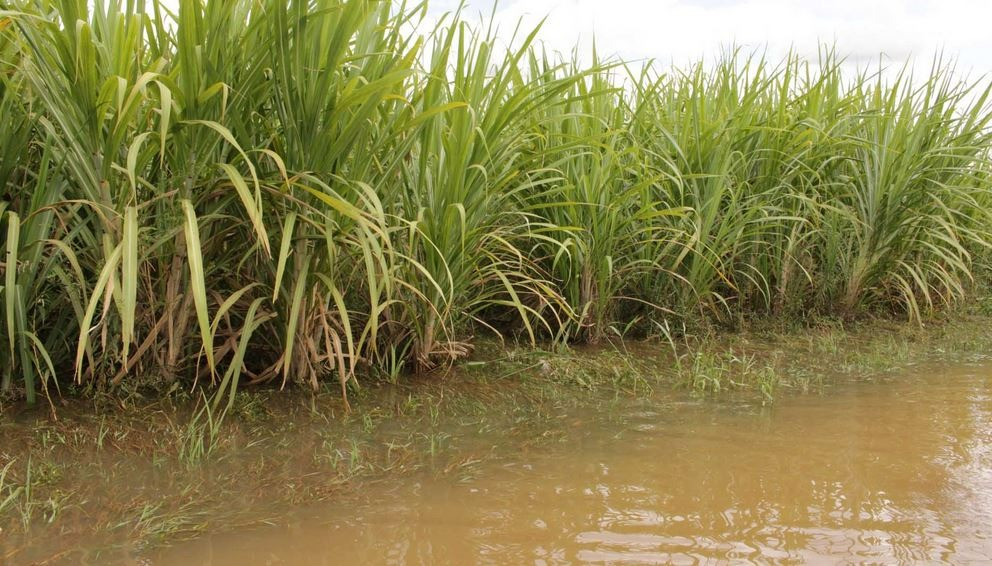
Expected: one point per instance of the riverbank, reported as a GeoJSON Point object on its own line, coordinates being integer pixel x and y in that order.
{"type": "Point", "coordinates": [88, 486]}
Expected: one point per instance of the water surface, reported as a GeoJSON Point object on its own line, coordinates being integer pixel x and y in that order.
{"type": "Point", "coordinates": [894, 470]}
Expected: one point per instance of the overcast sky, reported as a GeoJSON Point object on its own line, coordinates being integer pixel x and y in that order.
{"type": "Point", "coordinates": [683, 30]}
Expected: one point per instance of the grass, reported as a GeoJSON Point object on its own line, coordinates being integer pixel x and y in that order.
{"type": "Point", "coordinates": [198, 439]}
{"type": "Point", "coordinates": [312, 191]}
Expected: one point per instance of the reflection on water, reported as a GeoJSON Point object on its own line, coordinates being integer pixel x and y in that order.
{"type": "Point", "coordinates": [898, 471]}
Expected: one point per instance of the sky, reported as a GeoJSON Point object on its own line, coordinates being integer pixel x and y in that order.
{"type": "Point", "coordinates": [680, 31]}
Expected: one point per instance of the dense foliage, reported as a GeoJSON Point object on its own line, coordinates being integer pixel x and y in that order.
{"type": "Point", "coordinates": [302, 189]}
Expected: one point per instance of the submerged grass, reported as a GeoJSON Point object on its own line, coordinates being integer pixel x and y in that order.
{"type": "Point", "coordinates": [97, 476]}
{"type": "Point", "coordinates": [273, 191]}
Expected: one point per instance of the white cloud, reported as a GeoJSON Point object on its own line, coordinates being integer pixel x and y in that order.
{"type": "Point", "coordinates": [685, 30]}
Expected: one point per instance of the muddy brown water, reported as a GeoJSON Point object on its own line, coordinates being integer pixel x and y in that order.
{"type": "Point", "coordinates": [890, 471]}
